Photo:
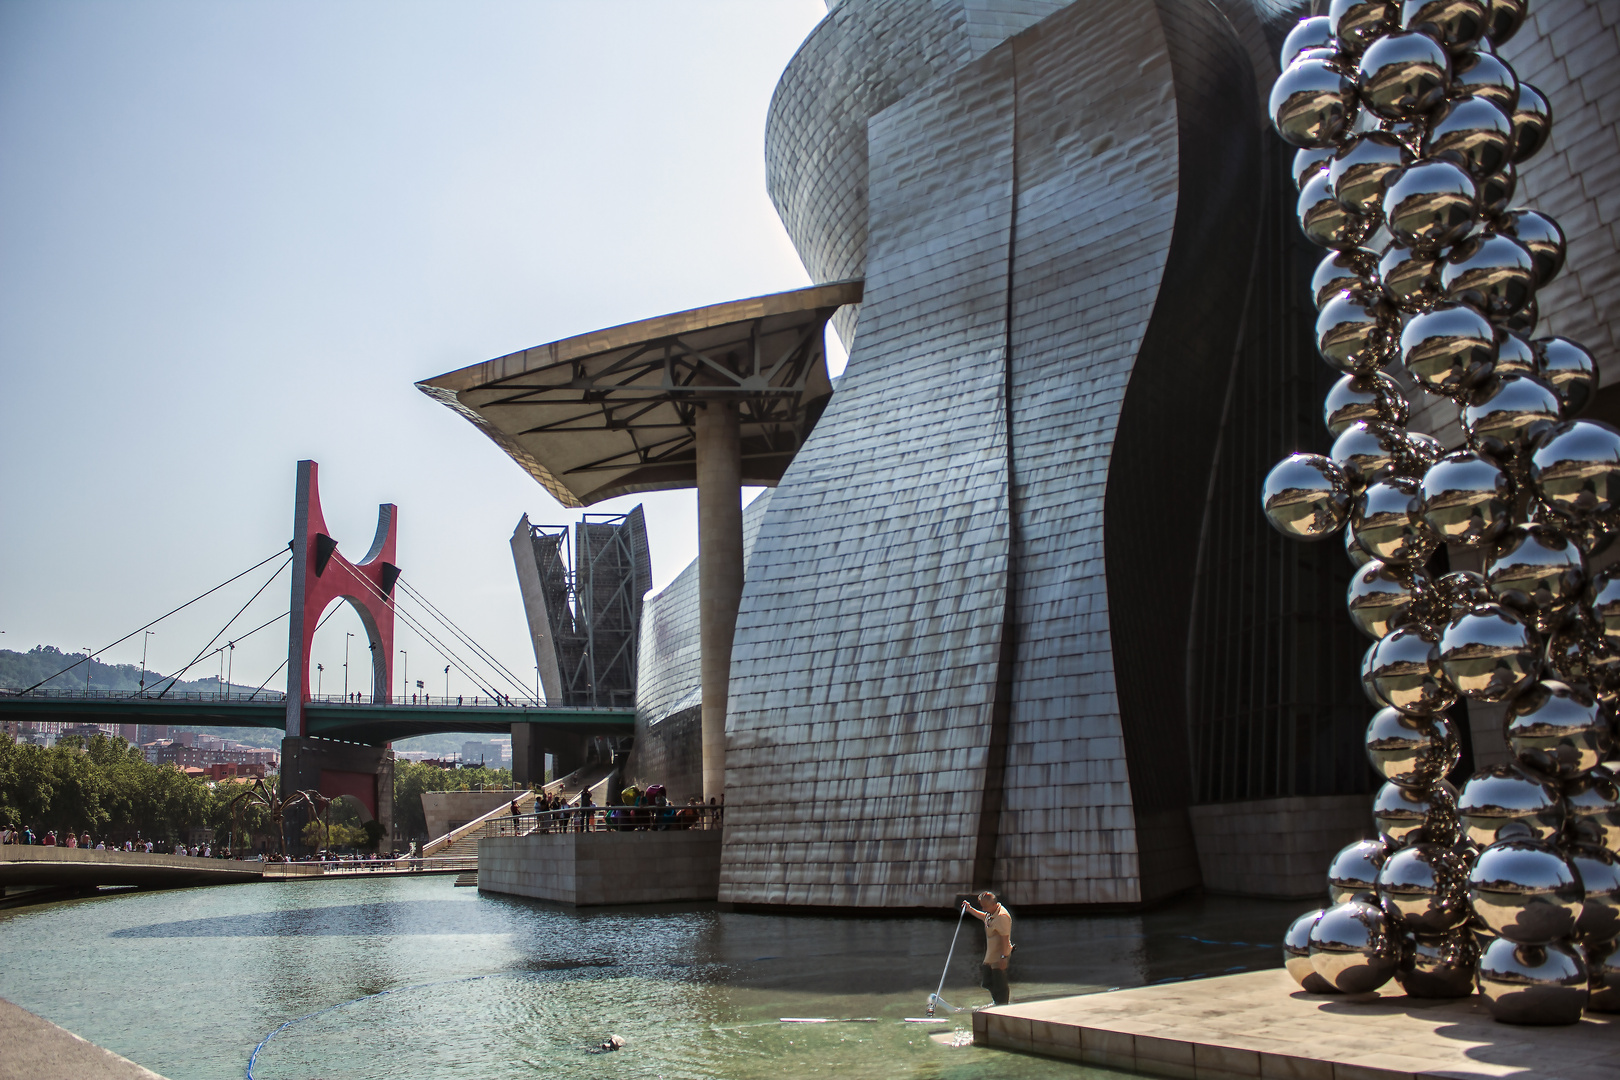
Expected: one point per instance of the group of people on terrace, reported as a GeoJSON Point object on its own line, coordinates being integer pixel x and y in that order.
{"type": "Point", "coordinates": [24, 834]}
{"type": "Point", "coordinates": [632, 808]}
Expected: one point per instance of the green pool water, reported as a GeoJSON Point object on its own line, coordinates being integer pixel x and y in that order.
{"type": "Point", "coordinates": [189, 982]}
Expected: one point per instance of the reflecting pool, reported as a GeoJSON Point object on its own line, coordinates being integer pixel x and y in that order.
{"type": "Point", "coordinates": [399, 978]}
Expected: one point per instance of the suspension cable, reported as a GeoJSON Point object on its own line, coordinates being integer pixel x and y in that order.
{"type": "Point", "coordinates": [157, 620]}
{"type": "Point", "coordinates": [219, 650]}
{"type": "Point", "coordinates": [283, 664]}
{"type": "Point", "coordinates": [175, 677]}
{"type": "Point", "coordinates": [462, 634]}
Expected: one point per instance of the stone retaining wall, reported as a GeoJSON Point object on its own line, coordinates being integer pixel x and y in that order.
{"type": "Point", "coordinates": [599, 868]}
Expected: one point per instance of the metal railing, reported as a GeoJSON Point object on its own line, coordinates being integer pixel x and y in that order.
{"type": "Point", "coordinates": [149, 694]}
{"type": "Point", "coordinates": [609, 819]}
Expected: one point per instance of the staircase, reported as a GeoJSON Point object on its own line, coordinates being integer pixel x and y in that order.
{"type": "Point", "coordinates": [462, 842]}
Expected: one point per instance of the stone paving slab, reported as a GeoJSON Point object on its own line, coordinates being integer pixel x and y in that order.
{"type": "Point", "coordinates": [33, 1048]}
{"type": "Point", "coordinates": [1260, 1024]}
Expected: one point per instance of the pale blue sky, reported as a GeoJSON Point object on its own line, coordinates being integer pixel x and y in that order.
{"type": "Point", "coordinates": [232, 235]}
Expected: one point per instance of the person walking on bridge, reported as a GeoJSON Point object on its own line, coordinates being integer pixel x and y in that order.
{"type": "Point", "coordinates": [998, 945]}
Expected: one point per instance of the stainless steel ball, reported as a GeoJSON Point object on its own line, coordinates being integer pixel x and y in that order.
{"type": "Point", "coordinates": [1569, 369]}
{"type": "Point", "coordinates": [1522, 322]}
{"type": "Point", "coordinates": [1367, 686]}
{"type": "Point", "coordinates": [1598, 869]}
{"type": "Point", "coordinates": [1404, 75]}
{"type": "Point", "coordinates": [1537, 571]}
{"type": "Point", "coordinates": [1306, 497]}
{"type": "Point", "coordinates": [1508, 414]}
{"type": "Point", "coordinates": [1603, 977]}
{"type": "Point", "coordinates": [1296, 949]}
{"type": "Point", "coordinates": [1362, 168]}
{"type": "Point", "coordinates": [1576, 655]}
{"type": "Point", "coordinates": [1541, 234]}
{"type": "Point", "coordinates": [1514, 356]}
{"type": "Point", "coordinates": [1431, 204]}
{"type": "Point", "coordinates": [1353, 550]}
{"type": "Point", "coordinates": [1326, 221]}
{"type": "Point", "coordinates": [1357, 332]}
{"type": "Point", "coordinates": [1457, 24]}
{"type": "Point", "coordinates": [1375, 398]}
{"type": "Point", "coordinates": [1410, 279]}
{"type": "Point", "coordinates": [1314, 33]}
{"type": "Point", "coordinates": [1388, 522]}
{"type": "Point", "coordinates": [1354, 271]}
{"type": "Point", "coordinates": [1312, 102]}
{"type": "Point", "coordinates": [1439, 966]}
{"type": "Point", "coordinates": [1493, 273]}
{"type": "Point", "coordinates": [1406, 672]}
{"type": "Point", "coordinates": [1358, 23]}
{"type": "Point", "coordinates": [1461, 590]}
{"type": "Point", "coordinates": [1411, 816]}
{"type": "Point", "coordinates": [1575, 468]}
{"type": "Point", "coordinates": [1353, 873]}
{"type": "Point", "coordinates": [1556, 730]}
{"type": "Point", "coordinates": [1532, 123]}
{"type": "Point", "coordinates": [1312, 160]}
{"type": "Point", "coordinates": [1484, 76]}
{"type": "Point", "coordinates": [1467, 499]}
{"type": "Point", "coordinates": [1473, 133]}
{"type": "Point", "coordinates": [1504, 802]}
{"type": "Point", "coordinates": [1353, 949]}
{"type": "Point", "coordinates": [1419, 454]}
{"type": "Point", "coordinates": [1592, 809]}
{"type": "Point", "coordinates": [1489, 653]}
{"type": "Point", "coordinates": [1533, 984]}
{"type": "Point", "coordinates": [1496, 192]}
{"type": "Point", "coordinates": [1424, 887]}
{"type": "Point", "coordinates": [1503, 19]}
{"type": "Point", "coordinates": [1603, 596]}
{"type": "Point", "coordinates": [1383, 596]}
{"type": "Point", "coordinates": [1366, 452]}
{"type": "Point", "coordinates": [1449, 349]}
{"type": "Point", "coordinates": [1411, 751]}
{"type": "Point", "coordinates": [1525, 891]}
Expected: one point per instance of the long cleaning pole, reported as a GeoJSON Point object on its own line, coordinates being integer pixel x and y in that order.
{"type": "Point", "coordinates": [962, 914]}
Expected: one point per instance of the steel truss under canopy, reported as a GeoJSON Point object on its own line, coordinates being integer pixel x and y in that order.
{"type": "Point", "coordinates": [612, 412]}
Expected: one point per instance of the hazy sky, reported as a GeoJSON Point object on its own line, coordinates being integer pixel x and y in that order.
{"type": "Point", "coordinates": [234, 235]}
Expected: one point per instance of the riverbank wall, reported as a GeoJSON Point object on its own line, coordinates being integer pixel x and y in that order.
{"type": "Point", "coordinates": [593, 869]}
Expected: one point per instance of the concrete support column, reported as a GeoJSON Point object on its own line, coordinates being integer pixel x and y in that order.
{"type": "Point", "coordinates": [720, 574]}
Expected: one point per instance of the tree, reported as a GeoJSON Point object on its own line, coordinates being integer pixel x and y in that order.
{"type": "Point", "coordinates": [412, 778]}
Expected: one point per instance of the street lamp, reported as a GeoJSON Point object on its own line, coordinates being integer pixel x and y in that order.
{"type": "Point", "coordinates": [145, 638]}
{"type": "Point", "coordinates": [89, 662]}
{"type": "Point", "coordinates": [447, 684]}
{"type": "Point", "coordinates": [405, 682]}
{"type": "Point", "coordinates": [230, 667]}
{"type": "Point", "coordinates": [346, 638]}
{"type": "Point", "coordinates": [537, 686]}
{"type": "Point", "coordinates": [320, 669]}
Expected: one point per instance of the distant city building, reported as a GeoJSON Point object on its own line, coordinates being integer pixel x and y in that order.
{"type": "Point", "coordinates": [176, 753]}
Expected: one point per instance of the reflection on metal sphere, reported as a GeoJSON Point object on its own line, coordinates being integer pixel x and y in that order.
{"type": "Point", "coordinates": [1403, 76]}
{"type": "Point", "coordinates": [1525, 891]}
{"type": "Point", "coordinates": [1358, 23]}
{"type": "Point", "coordinates": [1352, 947]}
{"type": "Point", "coordinates": [1310, 161]}
{"type": "Point", "coordinates": [1467, 499]}
{"type": "Point", "coordinates": [1407, 816]}
{"type": "Point", "coordinates": [1569, 369]}
{"type": "Point", "coordinates": [1496, 274]}
{"type": "Point", "coordinates": [1457, 24]}
{"type": "Point", "coordinates": [1488, 653]}
{"type": "Point", "coordinates": [1449, 349]}
{"type": "Point", "coordinates": [1496, 192]}
{"type": "Point", "coordinates": [1357, 335]}
{"type": "Point", "coordinates": [1575, 468]}
{"type": "Point", "coordinates": [1514, 356]}
{"type": "Point", "coordinates": [1592, 809]}
{"type": "Point", "coordinates": [1603, 973]}
{"type": "Point", "coordinates": [1314, 33]}
{"type": "Point", "coordinates": [1537, 571]}
{"type": "Point", "coordinates": [1387, 523]}
{"type": "Point", "coordinates": [1297, 955]}
{"type": "Point", "coordinates": [1363, 166]}
{"type": "Point", "coordinates": [1326, 221]}
{"type": "Point", "coordinates": [1521, 322]}
{"type": "Point", "coordinates": [1599, 872]}
{"type": "Point", "coordinates": [1311, 102]}
{"type": "Point", "coordinates": [1484, 76]}
{"type": "Point", "coordinates": [1541, 234]}
{"type": "Point", "coordinates": [1461, 590]}
{"type": "Point", "coordinates": [1352, 549]}
{"type": "Point", "coordinates": [1411, 751]}
{"type": "Point", "coordinates": [1505, 802]}
{"type": "Point", "coordinates": [1503, 19]}
{"type": "Point", "coordinates": [1508, 414]}
{"type": "Point", "coordinates": [1556, 730]}
{"type": "Point", "coordinates": [1425, 888]}
{"type": "Point", "coordinates": [1410, 279]}
{"type": "Point", "coordinates": [1383, 596]}
{"type": "Point", "coordinates": [1344, 271]}
{"type": "Point", "coordinates": [1375, 398]}
{"type": "Point", "coordinates": [1306, 497]}
{"type": "Point", "coordinates": [1532, 123]}
{"type": "Point", "coordinates": [1353, 873]}
{"type": "Point", "coordinates": [1440, 966]}
{"type": "Point", "coordinates": [1533, 984]}
{"type": "Point", "coordinates": [1431, 204]}
{"type": "Point", "coordinates": [1473, 133]}
{"type": "Point", "coordinates": [1366, 451]}
{"type": "Point", "coordinates": [1578, 657]}
{"type": "Point", "coordinates": [1604, 597]}
{"type": "Point", "coordinates": [1420, 454]}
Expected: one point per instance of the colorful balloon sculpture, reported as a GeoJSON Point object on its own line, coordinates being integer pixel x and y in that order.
{"type": "Point", "coordinates": [1410, 126]}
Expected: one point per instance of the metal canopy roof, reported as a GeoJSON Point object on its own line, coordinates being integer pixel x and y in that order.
{"type": "Point", "coordinates": [611, 412]}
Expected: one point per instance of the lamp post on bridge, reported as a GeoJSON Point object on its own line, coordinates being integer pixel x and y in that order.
{"type": "Point", "coordinates": [346, 638]}
{"type": "Point", "coordinates": [145, 638]}
{"type": "Point", "coordinates": [89, 662]}
{"type": "Point", "coordinates": [447, 684]}
{"type": "Point", "coordinates": [320, 669]}
{"type": "Point", "coordinates": [405, 683]}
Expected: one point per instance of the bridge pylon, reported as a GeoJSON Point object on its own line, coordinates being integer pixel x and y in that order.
{"type": "Point", "coordinates": [321, 576]}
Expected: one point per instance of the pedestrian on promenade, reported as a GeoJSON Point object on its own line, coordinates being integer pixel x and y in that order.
{"type": "Point", "coordinates": [72, 840]}
{"type": "Point", "coordinates": [84, 841]}
{"type": "Point", "coordinates": [6, 835]}
{"type": "Point", "coordinates": [50, 838]}
{"type": "Point", "coordinates": [998, 946]}
{"type": "Point", "coordinates": [28, 835]}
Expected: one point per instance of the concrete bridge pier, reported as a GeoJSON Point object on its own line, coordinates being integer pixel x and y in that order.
{"type": "Point", "coordinates": [532, 742]}
{"type": "Point", "coordinates": [338, 768]}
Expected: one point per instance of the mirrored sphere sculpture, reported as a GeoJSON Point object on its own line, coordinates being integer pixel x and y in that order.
{"type": "Point", "coordinates": [1569, 369]}
{"type": "Point", "coordinates": [1484, 76]}
{"type": "Point", "coordinates": [1314, 33]}
{"type": "Point", "coordinates": [1388, 523]}
{"type": "Point", "coordinates": [1533, 984]}
{"type": "Point", "coordinates": [1414, 816]}
{"type": "Point", "coordinates": [1402, 76]}
{"type": "Point", "coordinates": [1355, 332]}
{"type": "Point", "coordinates": [1603, 977]}
{"type": "Point", "coordinates": [1525, 891]}
{"type": "Point", "coordinates": [1504, 802]}
{"type": "Point", "coordinates": [1306, 496]}
{"type": "Point", "coordinates": [1424, 887]}
{"type": "Point", "coordinates": [1537, 571]}
{"type": "Point", "coordinates": [1411, 751]}
{"type": "Point", "coordinates": [1355, 270]}
{"type": "Point", "coordinates": [1431, 204]}
{"type": "Point", "coordinates": [1503, 19]}
{"type": "Point", "coordinates": [1514, 356]}
{"type": "Point", "coordinates": [1489, 653]}
{"type": "Point", "coordinates": [1311, 102]}
{"type": "Point", "coordinates": [1460, 590]}
{"type": "Point", "coordinates": [1326, 221]}
{"type": "Point", "coordinates": [1467, 499]}
{"type": "Point", "coordinates": [1473, 133]}
{"type": "Point", "coordinates": [1576, 469]}
{"type": "Point", "coordinates": [1592, 809]}
{"type": "Point", "coordinates": [1410, 279]}
{"type": "Point", "coordinates": [1599, 872]}
{"type": "Point", "coordinates": [1439, 965]}
{"type": "Point", "coordinates": [1362, 167]}
{"type": "Point", "coordinates": [1353, 873]}
{"type": "Point", "coordinates": [1373, 398]}
{"type": "Point", "coordinates": [1352, 947]}
{"type": "Point", "coordinates": [1556, 731]}
{"type": "Point", "coordinates": [1541, 234]}
{"type": "Point", "coordinates": [1603, 596]}
{"type": "Point", "coordinates": [1381, 596]}
{"type": "Point", "coordinates": [1492, 273]}
{"type": "Point", "coordinates": [1449, 349]}
{"type": "Point", "coordinates": [1532, 123]}
{"type": "Point", "coordinates": [1457, 24]}
{"type": "Point", "coordinates": [1309, 161]}
{"type": "Point", "coordinates": [1406, 673]}
{"type": "Point", "coordinates": [1509, 414]}
{"type": "Point", "coordinates": [1366, 451]}
{"type": "Point", "coordinates": [1496, 193]}
{"type": "Point", "coordinates": [1297, 955]}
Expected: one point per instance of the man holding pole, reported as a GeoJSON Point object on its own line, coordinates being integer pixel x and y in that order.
{"type": "Point", "coordinates": [998, 945]}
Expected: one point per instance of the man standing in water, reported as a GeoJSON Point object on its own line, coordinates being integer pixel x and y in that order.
{"type": "Point", "coordinates": [998, 946]}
